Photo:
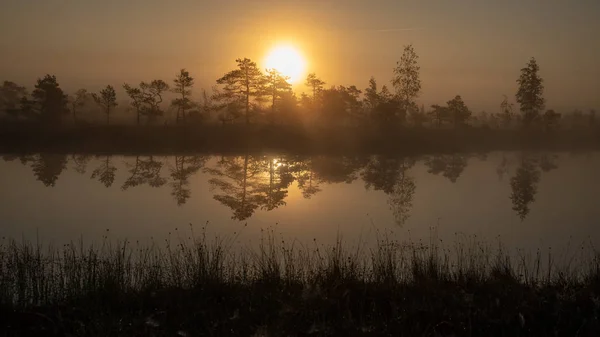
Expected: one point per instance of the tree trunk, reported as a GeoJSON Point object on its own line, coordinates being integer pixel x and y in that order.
{"type": "Point", "coordinates": [181, 108]}
{"type": "Point", "coordinates": [247, 99]}
{"type": "Point", "coordinates": [273, 108]}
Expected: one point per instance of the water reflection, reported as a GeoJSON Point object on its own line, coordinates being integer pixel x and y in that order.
{"type": "Point", "coordinates": [524, 183]}
{"type": "Point", "coordinates": [450, 166]}
{"type": "Point", "coordinates": [390, 175]}
{"type": "Point", "coordinates": [144, 170]}
{"type": "Point", "coordinates": [303, 173]}
{"type": "Point", "coordinates": [46, 167]}
{"type": "Point", "coordinates": [80, 162]}
{"type": "Point", "coordinates": [237, 182]}
{"type": "Point", "coordinates": [105, 173]}
{"type": "Point", "coordinates": [249, 182]}
{"type": "Point", "coordinates": [181, 171]}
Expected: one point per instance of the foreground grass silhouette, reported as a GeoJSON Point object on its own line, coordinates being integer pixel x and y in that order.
{"type": "Point", "coordinates": [201, 287]}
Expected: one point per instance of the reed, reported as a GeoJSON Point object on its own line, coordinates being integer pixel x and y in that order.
{"type": "Point", "coordinates": [208, 286]}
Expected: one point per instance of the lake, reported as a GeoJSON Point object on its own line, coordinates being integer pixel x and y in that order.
{"type": "Point", "coordinates": [529, 200]}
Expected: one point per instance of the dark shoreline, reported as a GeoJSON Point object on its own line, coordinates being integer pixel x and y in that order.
{"type": "Point", "coordinates": [233, 139]}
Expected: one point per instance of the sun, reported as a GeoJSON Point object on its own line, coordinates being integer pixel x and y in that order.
{"type": "Point", "coordinates": [288, 61]}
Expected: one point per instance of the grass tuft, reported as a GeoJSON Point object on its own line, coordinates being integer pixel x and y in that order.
{"type": "Point", "coordinates": [203, 286]}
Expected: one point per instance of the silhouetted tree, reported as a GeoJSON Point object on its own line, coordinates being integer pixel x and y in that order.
{"type": "Point", "coordinates": [185, 167]}
{"type": "Point", "coordinates": [77, 102]}
{"type": "Point", "coordinates": [316, 84]}
{"type": "Point", "coordinates": [507, 113]}
{"type": "Point", "coordinates": [288, 108]}
{"type": "Point", "coordinates": [228, 104]}
{"type": "Point", "coordinates": [107, 100]}
{"type": "Point", "coordinates": [276, 87]}
{"type": "Point", "coordinates": [551, 119]}
{"type": "Point", "coordinates": [385, 113]}
{"type": "Point", "coordinates": [334, 106]}
{"type": "Point", "coordinates": [353, 103]}
{"type": "Point", "coordinates": [153, 92]}
{"type": "Point", "coordinates": [147, 99]}
{"type": "Point", "coordinates": [439, 114]}
{"type": "Point", "coordinates": [524, 186]}
{"type": "Point", "coordinates": [105, 173]}
{"type": "Point", "coordinates": [305, 101]}
{"type": "Point", "coordinates": [144, 171]}
{"type": "Point", "coordinates": [238, 178]}
{"type": "Point", "coordinates": [418, 117]}
{"type": "Point", "coordinates": [137, 100]}
{"type": "Point", "coordinates": [458, 111]}
{"type": "Point", "coordinates": [406, 81]}
{"type": "Point", "coordinates": [530, 93]}
{"type": "Point", "coordinates": [183, 84]}
{"type": "Point", "coordinates": [372, 95]}
{"type": "Point", "coordinates": [247, 81]}
{"type": "Point", "coordinates": [11, 95]}
{"type": "Point", "coordinates": [207, 104]}
{"type": "Point", "coordinates": [48, 100]}
{"type": "Point", "coordinates": [340, 104]}
{"type": "Point", "coordinates": [382, 105]}
{"type": "Point", "coordinates": [48, 167]}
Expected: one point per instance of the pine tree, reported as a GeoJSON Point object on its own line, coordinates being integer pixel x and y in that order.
{"type": "Point", "coordinates": [530, 93]}
{"type": "Point", "coordinates": [246, 81]}
{"type": "Point", "coordinates": [107, 100]}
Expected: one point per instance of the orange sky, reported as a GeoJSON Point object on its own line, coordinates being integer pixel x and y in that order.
{"type": "Point", "coordinates": [470, 47]}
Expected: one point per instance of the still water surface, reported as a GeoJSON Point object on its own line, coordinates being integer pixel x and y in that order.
{"type": "Point", "coordinates": [524, 199]}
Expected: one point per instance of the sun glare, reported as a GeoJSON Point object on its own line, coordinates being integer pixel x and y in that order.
{"type": "Point", "coordinates": [288, 61]}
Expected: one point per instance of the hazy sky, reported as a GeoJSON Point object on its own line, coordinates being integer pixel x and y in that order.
{"type": "Point", "coordinates": [470, 47]}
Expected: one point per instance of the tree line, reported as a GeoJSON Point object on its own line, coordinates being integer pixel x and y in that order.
{"type": "Point", "coordinates": [248, 182]}
{"type": "Point", "coordinates": [249, 95]}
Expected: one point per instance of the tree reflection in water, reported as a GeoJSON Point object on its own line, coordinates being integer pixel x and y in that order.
{"type": "Point", "coordinates": [524, 183]}
{"type": "Point", "coordinates": [451, 166]}
{"type": "Point", "coordinates": [144, 171]}
{"type": "Point", "coordinates": [184, 168]}
{"type": "Point", "coordinates": [238, 179]}
{"type": "Point", "coordinates": [105, 173]}
{"type": "Point", "coordinates": [48, 167]}
{"type": "Point", "coordinates": [390, 175]}
{"type": "Point", "coordinates": [249, 182]}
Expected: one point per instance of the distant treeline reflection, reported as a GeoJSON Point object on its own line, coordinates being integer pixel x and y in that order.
{"type": "Point", "coordinates": [246, 183]}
